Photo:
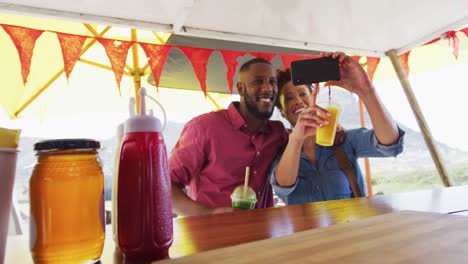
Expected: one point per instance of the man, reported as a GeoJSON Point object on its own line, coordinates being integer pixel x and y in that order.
{"type": "Point", "coordinates": [215, 148]}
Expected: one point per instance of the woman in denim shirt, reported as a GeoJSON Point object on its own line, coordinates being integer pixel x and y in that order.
{"type": "Point", "coordinates": [305, 172]}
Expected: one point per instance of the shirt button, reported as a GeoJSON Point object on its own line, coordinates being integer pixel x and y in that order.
{"type": "Point", "coordinates": [255, 172]}
{"type": "Point", "coordinates": [258, 153]}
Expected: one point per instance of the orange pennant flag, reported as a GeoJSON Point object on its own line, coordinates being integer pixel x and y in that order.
{"type": "Point", "coordinates": [372, 64]}
{"type": "Point", "coordinates": [404, 58]}
{"type": "Point", "coordinates": [199, 60]}
{"type": "Point", "coordinates": [24, 40]}
{"type": "Point", "coordinates": [116, 51]}
{"type": "Point", "coordinates": [71, 50]}
{"type": "Point", "coordinates": [157, 55]}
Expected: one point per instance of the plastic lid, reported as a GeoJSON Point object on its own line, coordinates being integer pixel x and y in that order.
{"type": "Point", "coordinates": [240, 194]}
{"type": "Point", "coordinates": [63, 144]}
{"type": "Point", "coordinates": [142, 122]}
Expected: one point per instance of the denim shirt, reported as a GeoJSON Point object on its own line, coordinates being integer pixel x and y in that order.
{"type": "Point", "coordinates": [325, 180]}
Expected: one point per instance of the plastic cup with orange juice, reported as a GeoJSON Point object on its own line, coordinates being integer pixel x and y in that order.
{"type": "Point", "coordinates": [325, 136]}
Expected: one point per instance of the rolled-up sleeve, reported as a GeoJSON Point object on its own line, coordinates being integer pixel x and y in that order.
{"type": "Point", "coordinates": [365, 143]}
{"type": "Point", "coordinates": [281, 191]}
{"type": "Point", "coordinates": [188, 155]}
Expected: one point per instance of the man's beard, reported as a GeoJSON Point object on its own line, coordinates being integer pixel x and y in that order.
{"type": "Point", "coordinates": [251, 105]}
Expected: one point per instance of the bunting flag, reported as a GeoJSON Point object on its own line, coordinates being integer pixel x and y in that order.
{"type": "Point", "coordinates": [312, 56]}
{"type": "Point", "coordinates": [71, 50]}
{"type": "Point", "coordinates": [230, 60]}
{"type": "Point", "coordinates": [465, 30]}
{"type": "Point", "coordinates": [286, 59]}
{"type": "Point", "coordinates": [199, 59]}
{"type": "Point", "coordinates": [372, 64]}
{"type": "Point", "coordinates": [116, 51]}
{"type": "Point", "coordinates": [404, 58]}
{"type": "Point", "coordinates": [267, 56]}
{"type": "Point", "coordinates": [24, 40]}
{"type": "Point", "coordinates": [157, 56]}
{"type": "Point", "coordinates": [71, 45]}
{"type": "Point", "coordinates": [356, 58]}
{"type": "Point", "coordinates": [454, 42]}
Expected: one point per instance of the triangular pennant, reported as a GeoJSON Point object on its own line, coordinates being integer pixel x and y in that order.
{"type": "Point", "coordinates": [404, 58]}
{"type": "Point", "coordinates": [453, 39]}
{"type": "Point", "coordinates": [356, 57]}
{"type": "Point", "coordinates": [432, 41]}
{"type": "Point", "coordinates": [116, 51]}
{"type": "Point", "coordinates": [372, 64]}
{"type": "Point", "coordinates": [71, 49]}
{"type": "Point", "coordinates": [230, 60]}
{"type": "Point", "coordinates": [24, 40]}
{"type": "Point", "coordinates": [267, 56]}
{"type": "Point", "coordinates": [157, 55]}
{"type": "Point", "coordinates": [465, 30]}
{"type": "Point", "coordinates": [199, 60]}
{"type": "Point", "coordinates": [312, 56]}
{"type": "Point", "coordinates": [288, 58]}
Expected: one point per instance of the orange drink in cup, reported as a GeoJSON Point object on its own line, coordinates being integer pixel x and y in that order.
{"type": "Point", "coordinates": [326, 135]}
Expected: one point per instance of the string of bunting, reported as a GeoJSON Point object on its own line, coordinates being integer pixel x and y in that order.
{"type": "Point", "coordinates": [71, 45]}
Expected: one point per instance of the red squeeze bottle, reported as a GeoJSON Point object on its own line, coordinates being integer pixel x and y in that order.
{"type": "Point", "coordinates": [144, 208]}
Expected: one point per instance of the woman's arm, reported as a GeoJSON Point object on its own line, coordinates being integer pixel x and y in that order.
{"type": "Point", "coordinates": [355, 79]}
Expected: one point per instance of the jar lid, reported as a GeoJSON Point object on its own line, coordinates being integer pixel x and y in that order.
{"type": "Point", "coordinates": [63, 144]}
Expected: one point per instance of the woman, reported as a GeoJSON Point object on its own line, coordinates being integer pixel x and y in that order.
{"type": "Point", "coordinates": [306, 172]}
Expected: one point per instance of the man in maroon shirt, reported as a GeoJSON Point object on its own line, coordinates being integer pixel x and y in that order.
{"type": "Point", "coordinates": [215, 148]}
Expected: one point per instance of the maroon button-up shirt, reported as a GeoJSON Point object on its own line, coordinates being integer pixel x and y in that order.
{"type": "Point", "coordinates": [213, 151]}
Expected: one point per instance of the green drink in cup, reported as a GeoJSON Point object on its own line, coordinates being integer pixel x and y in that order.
{"type": "Point", "coordinates": [244, 197]}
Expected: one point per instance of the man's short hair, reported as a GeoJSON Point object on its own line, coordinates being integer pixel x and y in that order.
{"type": "Point", "coordinates": [245, 67]}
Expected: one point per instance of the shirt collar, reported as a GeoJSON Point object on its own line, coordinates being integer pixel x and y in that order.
{"type": "Point", "coordinates": [238, 121]}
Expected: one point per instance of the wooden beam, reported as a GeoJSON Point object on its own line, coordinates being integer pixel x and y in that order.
{"type": "Point", "coordinates": [446, 180]}
{"type": "Point", "coordinates": [367, 168]}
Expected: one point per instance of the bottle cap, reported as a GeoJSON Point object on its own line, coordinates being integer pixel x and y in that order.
{"type": "Point", "coordinates": [64, 144]}
{"type": "Point", "coordinates": [143, 121]}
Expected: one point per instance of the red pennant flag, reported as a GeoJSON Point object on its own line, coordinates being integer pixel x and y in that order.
{"type": "Point", "coordinates": [432, 41]}
{"type": "Point", "coordinates": [288, 58]}
{"type": "Point", "coordinates": [356, 58]}
{"type": "Point", "coordinates": [71, 49]}
{"type": "Point", "coordinates": [230, 60]}
{"type": "Point", "coordinates": [24, 40]}
{"type": "Point", "coordinates": [453, 39]}
{"type": "Point", "coordinates": [404, 58]}
{"type": "Point", "coordinates": [199, 59]}
{"type": "Point", "coordinates": [267, 56]}
{"type": "Point", "coordinates": [372, 64]}
{"type": "Point", "coordinates": [157, 56]}
{"type": "Point", "coordinates": [116, 51]}
{"type": "Point", "coordinates": [465, 30]}
{"type": "Point", "coordinates": [312, 56]}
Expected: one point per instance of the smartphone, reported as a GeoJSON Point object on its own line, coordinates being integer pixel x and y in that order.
{"type": "Point", "coordinates": [314, 70]}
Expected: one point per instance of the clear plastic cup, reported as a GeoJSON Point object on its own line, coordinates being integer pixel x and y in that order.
{"type": "Point", "coordinates": [326, 134]}
{"type": "Point", "coordinates": [243, 199]}
{"type": "Point", "coordinates": [7, 176]}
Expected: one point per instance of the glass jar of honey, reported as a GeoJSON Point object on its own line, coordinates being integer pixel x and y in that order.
{"type": "Point", "coordinates": [67, 202]}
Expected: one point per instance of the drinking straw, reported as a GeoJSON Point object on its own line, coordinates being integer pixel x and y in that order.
{"type": "Point", "coordinates": [246, 181]}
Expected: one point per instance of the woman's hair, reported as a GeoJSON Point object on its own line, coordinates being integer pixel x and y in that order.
{"type": "Point", "coordinates": [284, 77]}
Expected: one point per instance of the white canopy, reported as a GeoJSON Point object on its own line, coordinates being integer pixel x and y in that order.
{"type": "Point", "coordinates": [363, 27]}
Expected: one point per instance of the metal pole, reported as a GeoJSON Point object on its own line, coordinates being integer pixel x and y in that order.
{"type": "Point", "coordinates": [446, 180]}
